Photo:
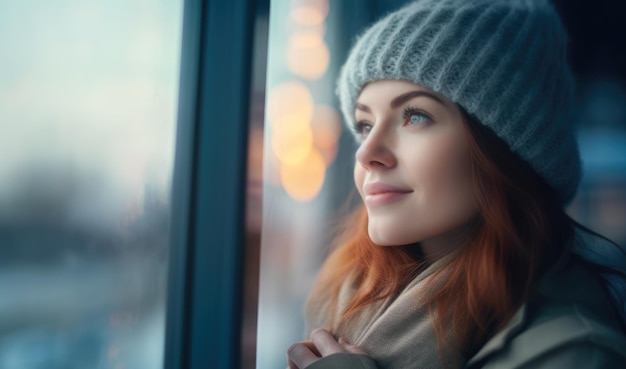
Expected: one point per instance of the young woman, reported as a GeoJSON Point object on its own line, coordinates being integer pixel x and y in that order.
{"type": "Point", "coordinates": [461, 254]}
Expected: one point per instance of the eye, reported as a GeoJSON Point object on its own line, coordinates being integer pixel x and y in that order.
{"type": "Point", "coordinates": [413, 116]}
{"type": "Point", "coordinates": [362, 129]}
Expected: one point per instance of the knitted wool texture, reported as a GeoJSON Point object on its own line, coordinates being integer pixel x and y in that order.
{"type": "Point", "coordinates": [503, 61]}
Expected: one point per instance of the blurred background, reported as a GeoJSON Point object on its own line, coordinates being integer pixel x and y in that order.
{"type": "Point", "coordinates": [88, 99]}
{"type": "Point", "coordinates": [309, 156]}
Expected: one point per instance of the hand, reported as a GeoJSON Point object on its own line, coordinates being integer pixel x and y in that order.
{"type": "Point", "coordinates": [322, 343]}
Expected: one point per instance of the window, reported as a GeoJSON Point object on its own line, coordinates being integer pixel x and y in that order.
{"type": "Point", "coordinates": [88, 101]}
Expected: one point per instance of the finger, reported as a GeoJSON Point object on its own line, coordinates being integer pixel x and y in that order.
{"type": "Point", "coordinates": [292, 365]}
{"type": "Point", "coordinates": [351, 348]}
{"type": "Point", "coordinates": [311, 346]}
{"type": "Point", "coordinates": [300, 355]}
{"type": "Point", "coordinates": [325, 343]}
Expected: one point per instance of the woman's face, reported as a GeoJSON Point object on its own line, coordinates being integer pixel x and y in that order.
{"type": "Point", "coordinates": [413, 167]}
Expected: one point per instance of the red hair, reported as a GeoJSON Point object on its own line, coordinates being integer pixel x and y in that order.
{"type": "Point", "coordinates": [520, 229]}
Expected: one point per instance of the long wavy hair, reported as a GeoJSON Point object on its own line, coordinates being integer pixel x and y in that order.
{"type": "Point", "coordinates": [520, 230]}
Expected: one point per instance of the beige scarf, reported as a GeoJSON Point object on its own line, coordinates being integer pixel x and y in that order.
{"type": "Point", "coordinates": [397, 333]}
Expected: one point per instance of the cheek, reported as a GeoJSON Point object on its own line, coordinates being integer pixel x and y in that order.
{"type": "Point", "coordinates": [446, 178]}
{"type": "Point", "coordinates": [450, 170]}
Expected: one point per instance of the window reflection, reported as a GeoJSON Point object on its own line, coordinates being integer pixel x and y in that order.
{"type": "Point", "coordinates": [87, 110]}
{"type": "Point", "coordinates": [302, 135]}
{"type": "Point", "coordinates": [601, 201]}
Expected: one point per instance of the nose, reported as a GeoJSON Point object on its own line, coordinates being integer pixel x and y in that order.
{"type": "Point", "coordinates": [376, 150]}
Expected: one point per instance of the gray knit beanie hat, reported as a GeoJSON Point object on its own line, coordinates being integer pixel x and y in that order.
{"type": "Point", "coordinates": [503, 61]}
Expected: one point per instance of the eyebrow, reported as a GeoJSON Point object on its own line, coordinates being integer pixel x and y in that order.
{"type": "Point", "coordinates": [399, 100]}
{"type": "Point", "coordinates": [412, 94]}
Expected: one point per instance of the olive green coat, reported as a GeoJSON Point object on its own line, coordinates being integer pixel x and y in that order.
{"type": "Point", "coordinates": [569, 323]}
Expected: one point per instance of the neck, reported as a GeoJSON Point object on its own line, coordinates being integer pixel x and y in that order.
{"type": "Point", "coordinates": [437, 247]}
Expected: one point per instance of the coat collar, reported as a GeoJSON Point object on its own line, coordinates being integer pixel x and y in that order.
{"type": "Point", "coordinates": [501, 338]}
{"type": "Point", "coordinates": [519, 319]}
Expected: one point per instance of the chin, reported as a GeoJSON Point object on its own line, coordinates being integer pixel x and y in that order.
{"type": "Point", "coordinates": [388, 237]}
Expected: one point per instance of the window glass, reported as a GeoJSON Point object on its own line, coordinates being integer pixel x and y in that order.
{"type": "Point", "coordinates": [305, 181]}
{"type": "Point", "coordinates": [88, 94]}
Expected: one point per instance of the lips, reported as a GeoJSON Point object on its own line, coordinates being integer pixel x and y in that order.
{"type": "Point", "coordinates": [379, 193]}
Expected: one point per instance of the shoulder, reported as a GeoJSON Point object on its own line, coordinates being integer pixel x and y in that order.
{"type": "Point", "coordinates": [563, 337]}
{"type": "Point", "coordinates": [570, 324]}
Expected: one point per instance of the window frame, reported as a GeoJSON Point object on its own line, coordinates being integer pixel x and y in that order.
{"type": "Point", "coordinates": [205, 290]}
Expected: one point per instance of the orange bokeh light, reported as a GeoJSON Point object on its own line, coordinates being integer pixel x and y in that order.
{"type": "Point", "coordinates": [307, 58]}
{"type": "Point", "coordinates": [304, 180]}
{"type": "Point", "coordinates": [289, 102]}
{"type": "Point", "coordinates": [309, 12]}
{"type": "Point", "coordinates": [326, 126]}
{"type": "Point", "coordinates": [291, 143]}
